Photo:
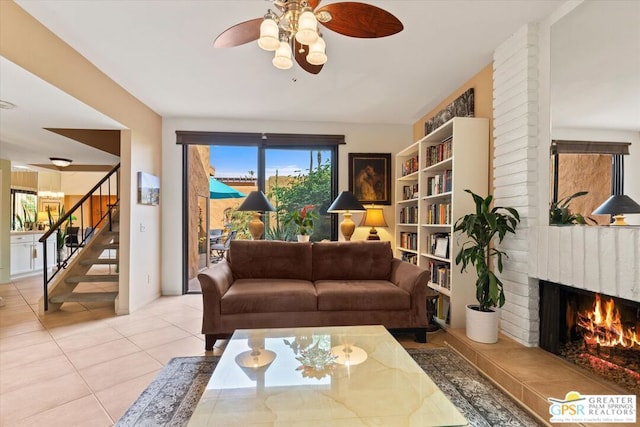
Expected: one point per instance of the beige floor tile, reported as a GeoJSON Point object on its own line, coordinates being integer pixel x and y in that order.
{"type": "Point", "coordinates": [24, 340]}
{"type": "Point", "coordinates": [190, 346]}
{"type": "Point", "coordinates": [107, 374]}
{"type": "Point", "coordinates": [191, 325]}
{"type": "Point", "coordinates": [40, 370]}
{"type": "Point", "coordinates": [68, 328]}
{"type": "Point", "coordinates": [85, 411]}
{"type": "Point", "coordinates": [117, 399]}
{"type": "Point", "coordinates": [97, 354]}
{"type": "Point", "coordinates": [88, 338]}
{"type": "Point", "coordinates": [41, 396]}
{"type": "Point", "coordinates": [141, 325]}
{"type": "Point", "coordinates": [21, 328]}
{"type": "Point", "coordinates": [13, 300]}
{"type": "Point", "coordinates": [24, 355]}
{"type": "Point", "coordinates": [156, 337]}
{"type": "Point", "coordinates": [15, 315]}
{"type": "Point", "coordinates": [8, 290]}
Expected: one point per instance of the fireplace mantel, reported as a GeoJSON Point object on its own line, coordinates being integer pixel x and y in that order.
{"type": "Point", "coordinates": [596, 258]}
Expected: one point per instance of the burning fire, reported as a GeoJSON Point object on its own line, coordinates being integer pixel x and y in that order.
{"type": "Point", "coordinates": [603, 326]}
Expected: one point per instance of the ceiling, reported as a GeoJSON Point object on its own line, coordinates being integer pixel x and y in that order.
{"type": "Point", "coordinates": [162, 53]}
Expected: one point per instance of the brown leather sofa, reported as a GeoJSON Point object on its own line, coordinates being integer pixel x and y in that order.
{"type": "Point", "coordinates": [274, 284]}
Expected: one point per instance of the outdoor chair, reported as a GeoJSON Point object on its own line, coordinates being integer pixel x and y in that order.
{"type": "Point", "coordinates": [219, 250]}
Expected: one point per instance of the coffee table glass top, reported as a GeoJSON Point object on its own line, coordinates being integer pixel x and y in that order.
{"type": "Point", "coordinates": [325, 376]}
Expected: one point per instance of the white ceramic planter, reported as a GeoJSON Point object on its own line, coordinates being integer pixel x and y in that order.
{"type": "Point", "coordinates": [303, 237]}
{"type": "Point", "coordinates": [482, 326]}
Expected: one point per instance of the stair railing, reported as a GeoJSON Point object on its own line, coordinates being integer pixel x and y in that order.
{"type": "Point", "coordinates": [61, 227]}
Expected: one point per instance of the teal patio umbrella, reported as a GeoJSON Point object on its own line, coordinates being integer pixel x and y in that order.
{"type": "Point", "coordinates": [219, 190]}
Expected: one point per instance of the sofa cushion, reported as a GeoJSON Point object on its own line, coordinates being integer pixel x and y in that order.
{"type": "Point", "coordinates": [356, 295]}
{"type": "Point", "coordinates": [361, 260]}
{"type": "Point", "coordinates": [270, 259]}
{"type": "Point", "coordinates": [269, 296]}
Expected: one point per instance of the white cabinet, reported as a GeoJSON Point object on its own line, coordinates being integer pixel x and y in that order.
{"type": "Point", "coordinates": [27, 255]}
{"type": "Point", "coordinates": [431, 176]}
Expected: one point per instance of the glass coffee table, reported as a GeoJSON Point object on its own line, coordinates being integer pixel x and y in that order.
{"type": "Point", "coordinates": [321, 376]}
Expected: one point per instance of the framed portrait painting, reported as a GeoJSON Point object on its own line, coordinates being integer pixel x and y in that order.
{"type": "Point", "coordinates": [370, 177]}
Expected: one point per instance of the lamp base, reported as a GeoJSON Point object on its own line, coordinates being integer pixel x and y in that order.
{"type": "Point", "coordinates": [347, 226]}
{"type": "Point", "coordinates": [619, 220]}
{"type": "Point", "coordinates": [256, 227]}
{"type": "Point", "coordinates": [373, 234]}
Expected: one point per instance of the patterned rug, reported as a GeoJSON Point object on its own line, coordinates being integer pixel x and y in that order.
{"type": "Point", "coordinates": [174, 393]}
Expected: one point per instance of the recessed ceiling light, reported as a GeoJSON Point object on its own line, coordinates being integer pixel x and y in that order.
{"type": "Point", "coordinates": [6, 105]}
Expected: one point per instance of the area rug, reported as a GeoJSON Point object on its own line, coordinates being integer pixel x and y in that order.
{"type": "Point", "coordinates": [174, 393]}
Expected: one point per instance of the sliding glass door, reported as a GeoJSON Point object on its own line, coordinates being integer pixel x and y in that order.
{"type": "Point", "coordinates": [296, 173]}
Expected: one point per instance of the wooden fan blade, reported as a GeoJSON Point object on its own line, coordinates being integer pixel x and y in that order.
{"type": "Point", "coordinates": [301, 58]}
{"type": "Point", "coordinates": [313, 3]}
{"type": "Point", "coordinates": [360, 20]}
{"type": "Point", "coordinates": [241, 33]}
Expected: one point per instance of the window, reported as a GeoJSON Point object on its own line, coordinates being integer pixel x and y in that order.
{"type": "Point", "coordinates": [292, 170]}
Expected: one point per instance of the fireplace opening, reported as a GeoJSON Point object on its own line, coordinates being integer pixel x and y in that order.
{"type": "Point", "coordinates": [598, 332]}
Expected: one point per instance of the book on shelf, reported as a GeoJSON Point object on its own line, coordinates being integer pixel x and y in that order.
{"type": "Point", "coordinates": [440, 152]}
{"type": "Point", "coordinates": [409, 215]}
{"type": "Point", "coordinates": [410, 166]}
{"type": "Point", "coordinates": [439, 244]}
{"type": "Point", "coordinates": [410, 192]}
{"type": "Point", "coordinates": [440, 183]}
{"type": "Point", "coordinates": [438, 213]}
{"type": "Point", "coordinates": [442, 309]}
{"type": "Point", "coordinates": [410, 258]}
{"type": "Point", "coordinates": [409, 240]}
{"type": "Point", "coordinates": [440, 274]}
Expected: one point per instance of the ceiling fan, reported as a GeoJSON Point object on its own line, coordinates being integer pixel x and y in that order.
{"type": "Point", "coordinates": [295, 30]}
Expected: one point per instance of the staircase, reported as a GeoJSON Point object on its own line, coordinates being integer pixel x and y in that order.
{"type": "Point", "coordinates": [91, 274]}
{"type": "Point", "coordinates": [88, 272]}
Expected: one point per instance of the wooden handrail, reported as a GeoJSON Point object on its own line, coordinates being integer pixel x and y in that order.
{"type": "Point", "coordinates": [68, 217]}
{"type": "Point", "coordinates": [70, 212]}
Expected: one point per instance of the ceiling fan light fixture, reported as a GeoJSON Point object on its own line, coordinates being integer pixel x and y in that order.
{"type": "Point", "coordinates": [282, 58]}
{"type": "Point", "coordinates": [317, 55]}
{"type": "Point", "coordinates": [307, 28]}
{"type": "Point", "coordinates": [269, 33]}
{"type": "Point", "coordinates": [60, 162]}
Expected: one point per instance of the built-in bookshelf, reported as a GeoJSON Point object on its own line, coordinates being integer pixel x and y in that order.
{"type": "Point", "coordinates": [432, 175]}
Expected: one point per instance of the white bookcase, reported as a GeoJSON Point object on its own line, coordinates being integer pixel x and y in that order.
{"type": "Point", "coordinates": [431, 176]}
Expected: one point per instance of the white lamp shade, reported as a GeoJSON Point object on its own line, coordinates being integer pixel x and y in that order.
{"type": "Point", "coordinates": [317, 55]}
{"type": "Point", "coordinates": [269, 35]}
{"type": "Point", "coordinates": [282, 59]}
{"type": "Point", "coordinates": [307, 28]}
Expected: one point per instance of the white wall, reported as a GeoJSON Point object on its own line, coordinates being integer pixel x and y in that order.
{"type": "Point", "coordinates": [5, 214]}
{"type": "Point", "coordinates": [359, 139]}
{"type": "Point", "coordinates": [79, 183]}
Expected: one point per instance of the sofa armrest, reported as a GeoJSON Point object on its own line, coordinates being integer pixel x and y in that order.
{"type": "Point", "coordinates": [407, 276]}
{"type": "Point", "coordinates": [412, 279]}
{"type": "Point", "coordinates": [215, 281]}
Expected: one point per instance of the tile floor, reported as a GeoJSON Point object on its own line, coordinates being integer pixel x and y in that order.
{"type": "Point", "coordinates": [84, 366]}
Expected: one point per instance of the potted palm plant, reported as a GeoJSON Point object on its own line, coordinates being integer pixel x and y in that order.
{"type": "Point", "coordinates": [481, 227]}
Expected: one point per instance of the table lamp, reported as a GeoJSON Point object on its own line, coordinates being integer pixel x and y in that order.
{"type": "Point", "coordinates": [618, 205]}
{"type": "Point", "coordinates": [373, 217]}
{"type": "Point", "coordinates": [257, 202]}
{"type": "Point", "coordinates": [346, 203]}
